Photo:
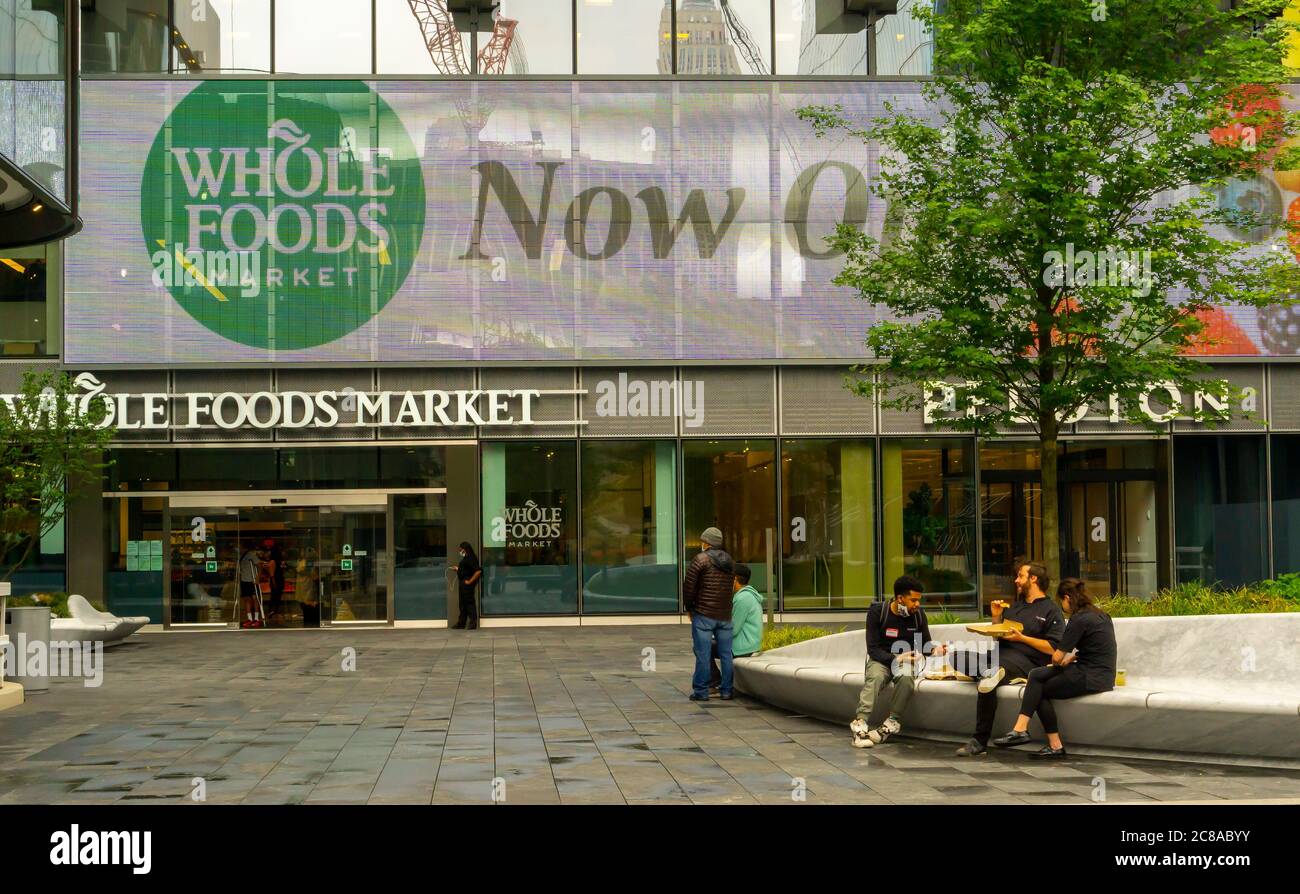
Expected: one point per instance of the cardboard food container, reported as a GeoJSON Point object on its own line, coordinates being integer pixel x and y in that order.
{"type": "Point", "coordinates": [946, 672]}
{"type": "Point", "coordinates": [997, 631]}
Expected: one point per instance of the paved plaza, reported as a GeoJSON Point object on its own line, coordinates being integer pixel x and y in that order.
{"type": "Point", "coordinates": [528, 715]}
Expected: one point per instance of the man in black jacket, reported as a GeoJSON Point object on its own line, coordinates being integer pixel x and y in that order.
{"type": "Point", "coordinates": [898, 639]}
{"type": "Point", "coordinates": [706, 596]}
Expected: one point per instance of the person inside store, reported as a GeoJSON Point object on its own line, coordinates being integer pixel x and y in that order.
{"type": "Point", "coordinates": [250, 573]}
{"type": "Point", "coordinates": [275, 574]}
{"type": "Point", "coordinates": [898, 639]}
{"type": "Point", "coordinates": [746, 623]}
{"type": "Point", "coordinates": [707, 591]}
{"type": "Point", "coordinates": [1084, 662]}
{"type": "Point", "coordinates": [468, 574]}
{"type": "Point", "coordinates": [1014, 655]}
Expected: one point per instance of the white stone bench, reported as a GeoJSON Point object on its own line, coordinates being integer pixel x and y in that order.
{"type": "Point", "coordinates": [89, 624]}
{"type": "Point", "coordinates": [1205, 684]}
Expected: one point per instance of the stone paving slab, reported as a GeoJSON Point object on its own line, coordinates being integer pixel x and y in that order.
{"type": "Point", "coordinates": [520, 716]}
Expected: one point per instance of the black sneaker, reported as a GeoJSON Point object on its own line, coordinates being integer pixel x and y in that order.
{"type": "Point", "coordinates": [1012, 739]}
{"type": "Point", "coordinates": [726, 696]}
{"type": "Point", "coordinates": [973, 748]}
{"type": "Point", "coordinates": [1047, 752]}
{"type": "Point", "coordinates": [698, 698]}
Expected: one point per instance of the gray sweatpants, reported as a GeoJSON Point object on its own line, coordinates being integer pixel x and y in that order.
{"type": "Point", "coordinates": [877, 676]}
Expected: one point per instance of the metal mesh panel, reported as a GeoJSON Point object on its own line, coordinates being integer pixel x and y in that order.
{"type": "Point", "coordinates": [733, 401]}
{"type": "Point", "coordinates": [240, 381]}
{"type": "Point", "coordinates": [426, 379]}
{"type": "Point", "coordinates": [816, 401]}
{"type": "Point", "coordinates": [1284, 397]}
{"type": "Point", "coordinates": [135, 382]}
{"type": "Point", "coordinates": [314, 380]}
{"type": "Point", "coordinates": [643, 401]}
{"type": "Point", "coordinates": [1239, 376]}
{"type": "Point", "coordinates": [549, 408]}
{"type": "Point", "coordinates": [11, 374]}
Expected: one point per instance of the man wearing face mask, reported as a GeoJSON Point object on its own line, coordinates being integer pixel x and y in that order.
{"type": "Point", "coordinates": [898, 639]}
{"type": "Point", "coordinates": [468, 573]}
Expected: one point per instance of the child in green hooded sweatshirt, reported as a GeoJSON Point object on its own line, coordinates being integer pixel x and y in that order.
{"type": "Point", "coordinates": [746, 621]}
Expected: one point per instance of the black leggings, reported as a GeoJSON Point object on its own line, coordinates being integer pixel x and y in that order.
{"type": "Point", "coordinates": [1048, 683]}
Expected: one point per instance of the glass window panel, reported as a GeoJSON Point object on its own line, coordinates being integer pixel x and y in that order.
{"type": "Point", "coordinates": [541, 42]}
{"type": "Point", "coordinates": [142, 470]}
{"type": "Point", "coordinates": [124, 36]}
{"type": "Point", "coordinates": [402, 42]}
{"type": "Point", "coordinates": [903, 44]}
{"type": "Point", "coordinates": [929, 517]}
{"type": "Point", "coordinates": [413, 466]}
{"type": "Point", "coordinates": [530, 548]}
{"type": "Point", "coordinates": [330, 468]}
{"type": "Point", "coordinates": [828, 546]}
{"type": "Point", "coordinates": [325, 38]}
{"type": "Point", "coordinates": [718, 39]}
{"type": "Point", "coordinates": [731, 485]}
{"type": "Point", "coordinates": [1220, 528]}
{"type": "Point", "coordinates": [1286, 504]}
{"type": "Point", "coordinates": [420, 578]}
{"type": "Point", "coordinates": [29, 300]}
{"type": "Point", "coordinates": [839, 48]}
{"type": "Point", "coordinates": [624, 37]}
{"type": "Point", "coordinates": [130, 589]}
{"type": "Point", "coordinates": [629, 508]}
{"type": "Point", "coordinates": [31, 38]}
{"type": "Point", "coordinates": [232, 469]}
{"type": "Point", "coordinates": [222, 35]}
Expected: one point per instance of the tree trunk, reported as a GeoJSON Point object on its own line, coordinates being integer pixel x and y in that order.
{"type": "Point", "coordinates": [1047, 453]}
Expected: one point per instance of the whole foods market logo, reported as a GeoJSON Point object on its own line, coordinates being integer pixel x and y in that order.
{"type": "Point", "coordinates": [529, 525]}
{"type": "Point", "coordinates": [282, 217]}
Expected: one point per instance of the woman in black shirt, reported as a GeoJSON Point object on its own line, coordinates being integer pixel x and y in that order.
{"type": "Point", "coordinates": [468, 573]}
{"type": "Point", "coordinates": [1083, 663]}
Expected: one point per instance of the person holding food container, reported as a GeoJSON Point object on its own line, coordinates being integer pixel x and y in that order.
{"type": "Point", "coordinates": [1083, 663]}
{"type": "Point", "coordinates": [1016, 653]}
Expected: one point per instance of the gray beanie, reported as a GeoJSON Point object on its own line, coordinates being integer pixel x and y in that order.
{"type": "Point", "coordinates": [712, 536]}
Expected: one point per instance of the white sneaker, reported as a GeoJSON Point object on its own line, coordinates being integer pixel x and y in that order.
{"type": "Point", "coordinates": [863, 741]}
{"type": "Point", "coordinates": [880, 735]}
{"type": "Point", "coordinates": [859, 727]}
{"type": "Point", "coordinates": [989, 683]}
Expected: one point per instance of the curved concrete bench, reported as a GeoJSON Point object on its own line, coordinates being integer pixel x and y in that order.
{"type": "Point", "coordinates": [89, 624]}
{"type": "Point", "coordinates": [1208, 684]}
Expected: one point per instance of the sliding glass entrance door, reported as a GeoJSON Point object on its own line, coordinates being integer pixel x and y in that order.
{"type": "Point", "coordinates": [324, 561]}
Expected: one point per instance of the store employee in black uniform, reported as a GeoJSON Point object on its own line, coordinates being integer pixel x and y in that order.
{"type": "Point", "coordinates": [1017, 653]}
{"type": "Point", "coordinates": [1084, 663]}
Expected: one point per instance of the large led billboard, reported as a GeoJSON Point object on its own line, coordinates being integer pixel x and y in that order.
{"type": "Point", "coordinates": [251, 221]}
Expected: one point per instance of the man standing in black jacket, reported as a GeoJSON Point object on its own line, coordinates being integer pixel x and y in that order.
{"type": "Point", "coordinates": [706, 596]}
{"type": "Point", "coordinates": [898, 639]}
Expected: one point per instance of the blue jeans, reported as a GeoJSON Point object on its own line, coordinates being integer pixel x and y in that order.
{"type": "Point", "coordinates": [703, 632]}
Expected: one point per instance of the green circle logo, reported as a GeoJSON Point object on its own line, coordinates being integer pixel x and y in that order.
{"type": "Point", "coordinates": [282, 215]}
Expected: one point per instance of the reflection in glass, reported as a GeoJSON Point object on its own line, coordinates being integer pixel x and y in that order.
{"type": "Point", "coordinates": [420, 580]}
{"type": "Point", "coordinates": [31, 38]}
{"type": "Point", "coordinates": [1286, 504]}
{"type": "Point", "coordinates": [128, 589]}
{"type": "Point", "coordinates": [840, 49]}
{"type": "Point", "coordinates": [325, 38]}
{"type": "Point", "coordinates": [904, 46]}
{"type": "Point", "coordinates": [629, 552]}
{"type": "Point", "coordinates": [624, 37]}
{"type": "Point", "coordinates": [929, 517]}
{"type": "Point", "coordinates": [124, 36]}
{"type": "Point", "coordinates": [828, 544]}
{"type": "Point", "coordinates": [732, 485]}
{"type": "Point", "coordinates": [530, 543]}
{"type": "Point", "coordinates": [222, 35]}
{"type": "Point", "coordinates": [724, 37]}
{"type": "Point", "coordinates": [1221, 533]}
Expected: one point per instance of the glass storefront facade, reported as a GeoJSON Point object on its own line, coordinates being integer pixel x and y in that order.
{"type": "Point", "coordinates": [597, 525]}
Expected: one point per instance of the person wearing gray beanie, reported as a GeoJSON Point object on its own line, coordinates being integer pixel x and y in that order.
{"type": "Point", "coordinates": [706, 595]}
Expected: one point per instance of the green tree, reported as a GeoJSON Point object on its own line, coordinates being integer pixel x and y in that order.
{"type": "Point", "coordinates": [1055, 127]}
{"type": "Point", "coordinates": [50, 435]}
